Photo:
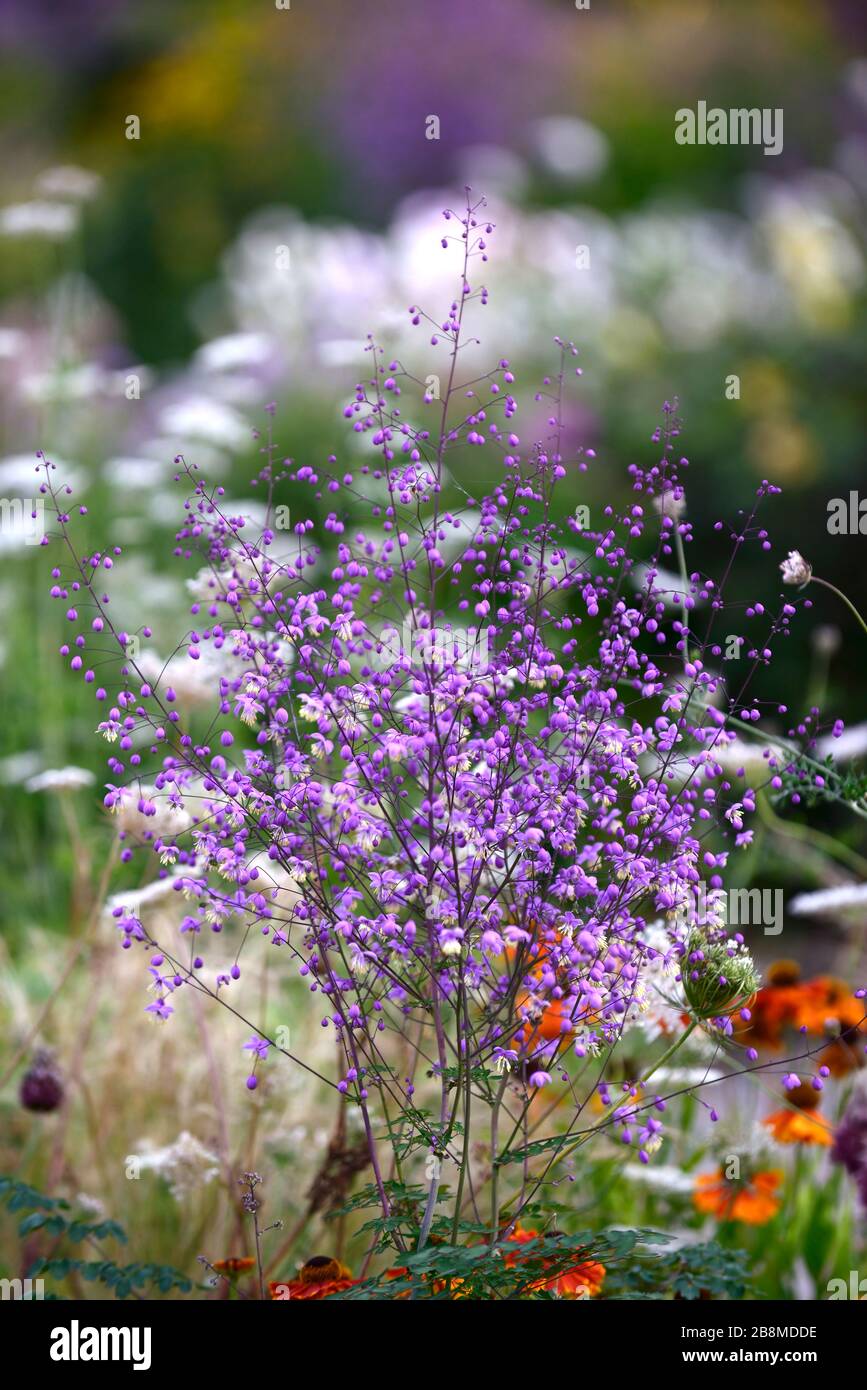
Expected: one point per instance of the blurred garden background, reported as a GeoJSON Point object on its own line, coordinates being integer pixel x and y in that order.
{"type": "Point", "coordinates": [204, 208]}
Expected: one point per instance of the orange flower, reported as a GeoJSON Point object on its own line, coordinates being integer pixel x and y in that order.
{"type": "Point", "coordinates": [799, 1125]}
{"type": "Point", "coordinates": [235, 1264]}
{"type": "Point", "coordinates": [547, 1021]}
{"type": "Point", "coordinates": [825, 1000]}
{"type": "Point", "coordinates": [752, 1200]}
{"type": "Point", "coordinates": [788, 1002]}
{"type": "Point", "coordinates": [583, 1280]}
{"type": "Point", "coordinates": [845, 1054]}
{"type": "Point", "coordinates": [318, 1278]}
{"type": "Point", "coordinates": [625, 1098]}
{"type": "Point", "coordinates": [401, 1272]}
{"type": "Point", "coordinates": [773, 1008]}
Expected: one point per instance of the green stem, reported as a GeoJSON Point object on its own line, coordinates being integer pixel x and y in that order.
{"type": "Point", "coordinates": [495, 1172]}
{"type": "Point", "coordinates": [840, 594]}
{"type": "Point", "coordinates": [660, 1062]}
{"type": "Point", "coordinates": [795, 752]}
{"type": "Point", "coordinates": [793, 830]}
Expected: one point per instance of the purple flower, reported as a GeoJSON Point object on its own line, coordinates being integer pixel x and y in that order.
{"type": "Point", "coordinates": [850, 1140]}
{"type": "Point", "coordinates": [540, 1079]}
{"type": "Point", "coordinates": [472, 826]}
{"type": "Point", "coordinates": [160, 1008]}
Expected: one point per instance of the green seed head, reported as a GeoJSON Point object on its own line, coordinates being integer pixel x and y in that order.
{"type": "Point", "coordinates": [717, 973]}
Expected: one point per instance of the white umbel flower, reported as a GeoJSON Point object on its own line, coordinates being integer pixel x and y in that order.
{"type": "Point", "coordinates": [61, 779]}
{"type": "Point", "coordinates": [848, 897]}
{"type": "Point", "coordinates": [186, 1165]}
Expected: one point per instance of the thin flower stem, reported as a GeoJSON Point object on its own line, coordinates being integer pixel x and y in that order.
{"type": "Point", "coordinates": [616, 1105]}
{"type": "Point", "coordinates": [839, 592]}
{"type": "Point", "coordinates": [793, 830]}
{"type": "Point", "coordinates": [495, 1172]}
{"type": "Point", "coordinates": [259, 1256]}
{"type": "Point", "coordinates": [795, 752]}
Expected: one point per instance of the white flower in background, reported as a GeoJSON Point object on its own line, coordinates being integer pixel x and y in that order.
{"type": "Point", "coordinates": [136, 577]}
{"type": "Point", "coordinates": [830, 902]}
{"type": "Point", "coordinates": [166, 448]}
{"type": "Point", "coordinates": [69, 181]}
{"type": "Point", "coordinates": [501, 172]}
{"type": "Point", "coordinates": [12, 343]}
{"type": "Point", "coordinates": [192, 681]}
{"type": "Point", "coordinates": [54, 221]}
{"type": "Point", "coordinates": [813, 251]}
{"type": "Point", "coordinates": [795, 569]}
{"type": "Point", "coordinates": [21, 527]}
{"type": "Point", "coordinates": [826, 638]}
{"type": "Point", "coordinates": [124, 473]}
{"type": "Point", "coordinates": [161, 818]}
{"type": "Point", "coordinates": [186, 1165]}
{"type": "Point", "coordinates": [62, 779]}
{"type": "Point", "coordinates": [85, 382]}
{"type": "Point", "coordinates": [670, 503]}
{"type": "Point", "coordinates": [18, 767]}
{"type": "Point", "coordinates": [570, 148]}
{"type": "Point", "coordinates": [138, 899]}
{"type": "Point", "coordinates": [852, 743]}
{"type": "Point", "coordinates": [686, 1078]}
{"type": "Point", "coordinates": [18, 474]}
{"type": "Point", "coordinates": [331, 283]}
{"type": "Point", "coordinates": [200, 417]}
{"type": "Point", "coordinates": [234, 352]}
{"type": "Point", "coordinates": [736, 755]}
{"type": "Point", "coordinates": [653, 1010]}
{"type": "Point", "coordinates": [671, 588]}
{"type": "Point", "coordinates": [661, 1177]}
{"type": "Point", "coordinates": [91, 1205]}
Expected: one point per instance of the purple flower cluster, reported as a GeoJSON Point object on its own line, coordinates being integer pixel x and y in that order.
{"type": "Point", "coordinates": [485, 836]}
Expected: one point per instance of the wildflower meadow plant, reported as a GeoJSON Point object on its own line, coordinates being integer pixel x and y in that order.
{"type": "Point", "coordinates": [479, 865]}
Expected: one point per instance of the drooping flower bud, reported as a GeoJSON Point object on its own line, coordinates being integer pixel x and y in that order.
{"type": "Point", "coordinates": [42, 1085]}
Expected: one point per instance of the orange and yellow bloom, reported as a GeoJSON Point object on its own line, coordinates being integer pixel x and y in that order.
{"type": "Point", "coordinates": [318, 1278]}
{"type": "Point", "coordinates": [798, 1122]}
{"type": "Point", "coordinates": [234, 1264]}
{"type": "Point", "coordinates": [583, 1280]}
{"type": "Point", "coordinates": [753, 1201]}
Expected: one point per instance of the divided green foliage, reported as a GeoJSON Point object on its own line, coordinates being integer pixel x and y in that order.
{"type": "Point", "coordinates": [46, 1214]}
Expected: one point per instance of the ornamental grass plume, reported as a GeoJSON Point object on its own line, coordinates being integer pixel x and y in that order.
{"type": "Point", "coordinates": [457, 771]}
